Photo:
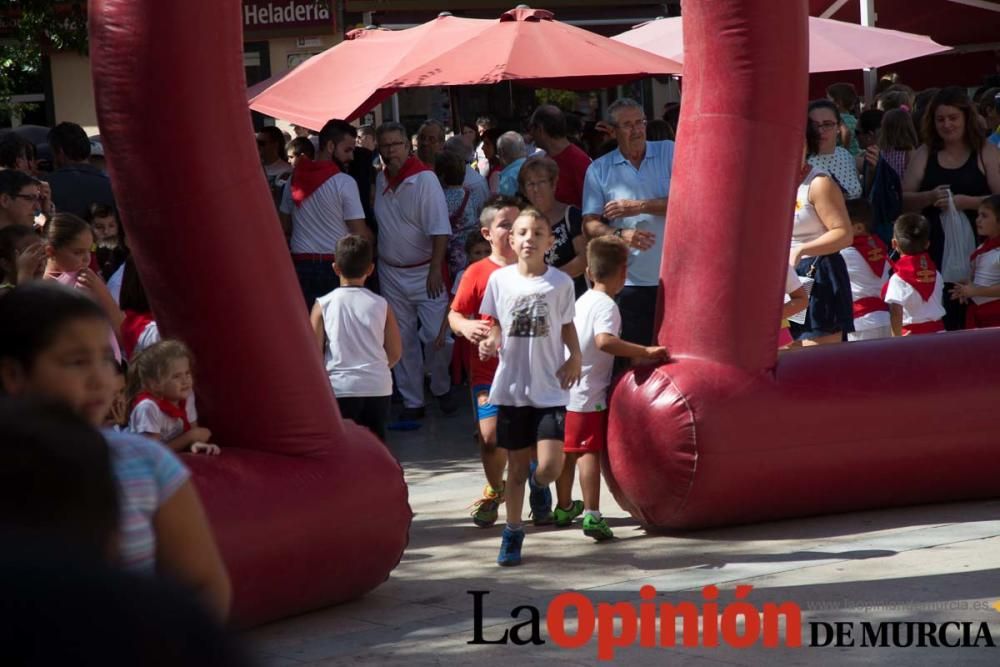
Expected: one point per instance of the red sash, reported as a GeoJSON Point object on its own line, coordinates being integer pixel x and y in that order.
{"type": "Point", "coordinates": [309, 175]}
{"type": "Point", "coordinates": [918, 271]}
{"type": "Point", "coordinates": [982, 316]}
{"type": "Point", "coordinates": [412, 166]}
{"type": "Point", "coordinates": [173, 410]}
{"type": "Point", "coordinates": [873, 251]}
{"type": "Point", "coordinates": [132, 327]}
{"type": "Point", "coordinates": [923, 328]}
{"type": "Point", "coordinates": [869, 304]}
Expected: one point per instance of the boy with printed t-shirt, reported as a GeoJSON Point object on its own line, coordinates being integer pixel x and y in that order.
{"type": "Point", "coordinates": [868, 268]}
{"type": "Point", "coordinates": [495, 222]}
{"type": "Point", "coordinates": [914, 291]}
{"type": "Point", "coordinates": [531, 304]}
{"type": "Point", "coordinates": [598, 325]}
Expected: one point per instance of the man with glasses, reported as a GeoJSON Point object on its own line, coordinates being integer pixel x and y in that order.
{"type": "Point", "coordinates": [322, 205]}
{"type": "Point", "coordinates": [625, 194]}
{"type": "Point", "coordinates": [414, 230]}
{"type": "Point", "coordinates": [20, 198]}
{"type": "Point", "coordinates": [76, 184]}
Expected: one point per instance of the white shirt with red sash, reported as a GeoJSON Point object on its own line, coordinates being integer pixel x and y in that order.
{"type": "Point", "coordinates": [869, 273]}
{"type": "Point", "coordinates": [918, 308]}
{"type": "Point", "coordinates": [408, 216]}
{"type": "Point", "coordinates": [320, 220]}
{"type": "Point", "coordinates": [986, 273]}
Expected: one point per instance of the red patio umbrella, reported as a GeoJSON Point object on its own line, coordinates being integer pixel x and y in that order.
{"type": "Point", "coordinates": [349, 79]}
{"type": "Point", "coordinates": [529, 45]}
{"type": "Point", "coordinates": [833, 45]}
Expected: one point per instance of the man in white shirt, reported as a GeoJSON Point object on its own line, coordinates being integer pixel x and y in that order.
{"type": "Point", "coordinates": [322, 205]}
{"type": "Point", "coordinates": [414, 229]}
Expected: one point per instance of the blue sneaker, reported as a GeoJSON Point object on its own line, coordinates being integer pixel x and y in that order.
{"type": "Point", "coordinates": [510, 547]}
{"type": "Point", "coordinates": [539, 500]}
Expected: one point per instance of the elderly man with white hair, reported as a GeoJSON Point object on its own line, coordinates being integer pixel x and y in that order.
{"type": "Point", "coordinates": [512, 153]}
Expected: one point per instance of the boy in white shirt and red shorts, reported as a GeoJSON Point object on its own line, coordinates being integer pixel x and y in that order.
{"type": "Point", "coordinates": [598, 325]}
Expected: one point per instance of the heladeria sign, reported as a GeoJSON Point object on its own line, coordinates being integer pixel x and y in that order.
{"type": "Point", "coordinates": [260, 15]}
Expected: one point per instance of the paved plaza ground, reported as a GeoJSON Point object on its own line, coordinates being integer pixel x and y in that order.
{"type": "Point", "coordinates": [933, 563]}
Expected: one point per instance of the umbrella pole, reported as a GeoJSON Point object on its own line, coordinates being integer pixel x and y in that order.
{"type": "Point", "coordinates": [870, 74]}
{"type": "Point", "coordinates": [456, 118]}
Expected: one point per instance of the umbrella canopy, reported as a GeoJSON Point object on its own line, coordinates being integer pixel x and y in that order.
{"type": "Point", "coordinates": [349, 79]}
{"type": "Point", "coordinates": [833, 45]}
{"type": "Point", "coordinates": [529, 45]}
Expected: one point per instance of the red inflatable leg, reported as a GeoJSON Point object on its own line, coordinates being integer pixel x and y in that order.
{"type": "Point", "coordinates": [308, 511]}
{"type": "Point", "coordinates": [725, 434]}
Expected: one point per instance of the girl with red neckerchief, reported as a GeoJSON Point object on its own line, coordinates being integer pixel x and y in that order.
{"type": "Point", "coordinates": [982, 292]}
{"type": "Point", "coordinates": [161, 385]}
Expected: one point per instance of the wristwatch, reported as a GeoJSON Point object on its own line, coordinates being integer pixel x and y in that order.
{"type": "Point", "coordinates": [618, 232]}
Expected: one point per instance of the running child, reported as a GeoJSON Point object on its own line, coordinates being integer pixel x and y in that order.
{"type": "Point", "coordinates": [161, 387]}
{"type": "Point", "coordinates": [598, 325]}
{"type": "Point", "coordinates": [982, 292]}
{"type": "Point", "coordinates": [914, 290]}
{"type": "Point", "coordinates": [358, 337]}
{"type": "Point", "coordinates": [868, 268]}
{"type": "Point", "coordinates": [532, 306]}
{"type": "Point", "coordinates": [465, 320]}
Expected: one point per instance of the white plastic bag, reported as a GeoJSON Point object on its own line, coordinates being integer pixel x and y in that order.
{"type": "Point", "coordinates": [959, 242]}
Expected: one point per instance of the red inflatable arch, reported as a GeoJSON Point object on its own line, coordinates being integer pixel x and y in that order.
{"type": "Point", "coordinates": [729, 433]}
{"type": "Point", "coordinates": [308, 510]}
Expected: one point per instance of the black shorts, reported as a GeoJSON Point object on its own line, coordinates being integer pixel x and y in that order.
{"type": "Point", "coordinates": [523, 427]}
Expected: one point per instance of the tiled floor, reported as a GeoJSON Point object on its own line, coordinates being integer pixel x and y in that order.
{"type": "Point", "coordinates": [930, 564]}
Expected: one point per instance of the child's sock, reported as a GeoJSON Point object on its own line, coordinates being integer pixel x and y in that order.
{"type": "Point", "coordinates": [594, 513]}
{"type": "Point", "coordinates": [514, 527]}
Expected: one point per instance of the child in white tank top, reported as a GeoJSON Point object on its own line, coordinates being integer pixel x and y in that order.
{"type": "Point", "coordinates": [358, 337]}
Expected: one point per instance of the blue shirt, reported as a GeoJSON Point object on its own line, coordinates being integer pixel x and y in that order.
{"type": "Point", "coordinates": [613, 177]}
{"type": "Point", "coordinates": [508, 177]}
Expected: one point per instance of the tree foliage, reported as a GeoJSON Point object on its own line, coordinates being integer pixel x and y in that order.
{"type": "Point", "coordinates": [28, 29]}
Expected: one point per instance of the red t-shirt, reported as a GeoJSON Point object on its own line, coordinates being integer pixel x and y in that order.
{"type": "Point", "coordinates": [573, 164]}
{"type": "Point", "coordinates": [467, 301]}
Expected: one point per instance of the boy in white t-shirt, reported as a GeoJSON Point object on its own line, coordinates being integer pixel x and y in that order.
{"type": "Point", "coordinates": [531, 304]}
{"type": "Point", "coordinates": [598, 324]}
{"type": "Point", "coordinates": [914, 291]}
{"type": "Point", "coordinates": [867, 262]}
{"type": "Point", "coordinates": [358, 337]}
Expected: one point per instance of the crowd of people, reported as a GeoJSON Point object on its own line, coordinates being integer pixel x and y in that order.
{"type": "Point", "coordinates": [522, 265]}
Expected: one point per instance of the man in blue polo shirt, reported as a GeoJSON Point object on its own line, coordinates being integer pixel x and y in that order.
{"type": "Point", "coordinates": [625, 194]}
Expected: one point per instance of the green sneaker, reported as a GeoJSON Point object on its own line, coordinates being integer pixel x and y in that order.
{"type": "Point", "coordinates": [596, 528]}
{"type": "Point", "coordinates": [484, 513]}
{"type": "Point", "coordinates": [563, 517]}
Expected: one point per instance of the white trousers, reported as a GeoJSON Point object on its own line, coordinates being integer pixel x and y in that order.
{"type": "Point", "coordinates": [420, 319]}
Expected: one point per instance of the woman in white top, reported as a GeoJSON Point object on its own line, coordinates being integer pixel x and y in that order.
{"type": "Point", "coordinates": [826, 155]}
{"type": "Point", "coordinates": [820, 231]}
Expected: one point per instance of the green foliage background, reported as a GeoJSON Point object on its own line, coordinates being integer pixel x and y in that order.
{"type": "Point", "coordinates": [33, 27]}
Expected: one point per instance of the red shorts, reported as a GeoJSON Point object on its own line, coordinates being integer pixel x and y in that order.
{"type": "Point", "coordinates": [586, 432]}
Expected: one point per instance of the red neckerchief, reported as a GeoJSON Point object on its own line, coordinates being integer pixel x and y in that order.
{"type": "Point", "coordinates": [989, 244]}
{"type": "Point", "coordinates": [309, 175]}
{"type": "Point", "coordinates": [412, 166]}
{"type": "Point", "coordinates": [919, 271]}
{"type": "Point", "coordinates": [873, 251]}
{"type": "Point", "coordinates": [132, 327]}
{"type": "Point", "coordinates": [173, 410]}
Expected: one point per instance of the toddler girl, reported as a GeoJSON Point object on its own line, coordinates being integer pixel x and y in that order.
{"type": "Point", "coordinates": [982, 292]}
{"type": "Point", "coordinates": [161, 384]}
